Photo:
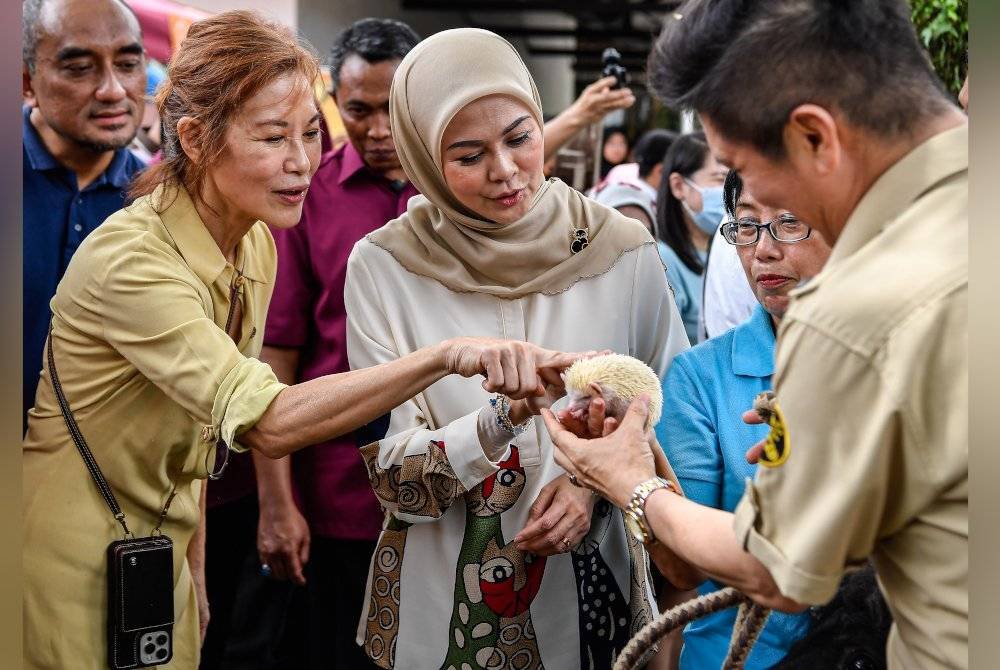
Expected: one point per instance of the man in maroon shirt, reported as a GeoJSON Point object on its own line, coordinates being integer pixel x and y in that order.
{"type": "Point", "coordinates": [319, 519]}
{"type": "Point", "coordinates": [357, 189]}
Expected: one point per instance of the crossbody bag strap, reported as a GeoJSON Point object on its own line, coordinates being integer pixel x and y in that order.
{"type": "Point", "coordinates": [81, 444]}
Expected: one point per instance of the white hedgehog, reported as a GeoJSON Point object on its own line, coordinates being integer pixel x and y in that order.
{"type": "Point", "coordinates": [619, 379]}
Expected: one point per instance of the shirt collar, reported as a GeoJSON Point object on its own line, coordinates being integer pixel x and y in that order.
{"type": "Point", "coordinates": [753, 345]}
{"type": "Point", "coordinates": [38, 156]}
{"type": "Point", "coordinates": [117, 173]}
{"type": "Point", "coordinates": [919, 171]}
{"type": "Point", "coordinates": [351, 164]}
{"type": "Point", "coordinates": [196, 245]}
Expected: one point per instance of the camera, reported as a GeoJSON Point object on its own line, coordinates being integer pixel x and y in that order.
{"type": "Point", "coordinates": [613, 67]}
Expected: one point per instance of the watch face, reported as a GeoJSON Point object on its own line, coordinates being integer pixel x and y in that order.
{"type": "Point", "coordinates": [633, 526]}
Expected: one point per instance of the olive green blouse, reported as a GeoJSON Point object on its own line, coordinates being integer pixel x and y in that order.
{"type": "Point", "coordinates": [153, 380]}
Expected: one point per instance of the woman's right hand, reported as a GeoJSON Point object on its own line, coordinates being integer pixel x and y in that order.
{"type": "Point", "coordinates": [283, 540]}
{"type": "Point", "coordinates": [511, 367]}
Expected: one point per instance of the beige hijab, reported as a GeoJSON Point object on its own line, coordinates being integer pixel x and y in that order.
{"type": "Point", "coordinates": [438, 237]}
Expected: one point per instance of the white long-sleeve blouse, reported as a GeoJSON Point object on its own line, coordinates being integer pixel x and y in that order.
{"type": "Point", "coordinates": [446, 587]}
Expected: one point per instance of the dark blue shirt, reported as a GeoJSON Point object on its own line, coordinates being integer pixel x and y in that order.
{"type": "Point", "coordinates": [57, 216]}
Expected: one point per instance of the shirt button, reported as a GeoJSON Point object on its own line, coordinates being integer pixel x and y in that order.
{"type": "Point", "coordinates": [78, 227]}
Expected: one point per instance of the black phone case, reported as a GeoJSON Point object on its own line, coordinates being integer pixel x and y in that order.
{"type": "Point", "coordinates": [140, 602]}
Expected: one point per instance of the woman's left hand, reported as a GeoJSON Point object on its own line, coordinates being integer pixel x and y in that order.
{"type": "Point", "coordinates": [554, 388]}
{"type": "Point", "coordinates": [558, 519]}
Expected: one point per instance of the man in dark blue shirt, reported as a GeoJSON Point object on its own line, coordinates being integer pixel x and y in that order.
{"type": "Point", "coordinates": [83, 83]}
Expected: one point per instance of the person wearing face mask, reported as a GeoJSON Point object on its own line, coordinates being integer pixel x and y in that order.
{"type": "Point", "coordinates": [689, 209]}
{"type": "Point", "coordinates": [490, 556]}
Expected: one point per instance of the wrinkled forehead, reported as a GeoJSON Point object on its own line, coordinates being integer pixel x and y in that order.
{"type": "Point", "coordinates": [747, 205]}
{"type": "Point", "coordinates": [93, 25]}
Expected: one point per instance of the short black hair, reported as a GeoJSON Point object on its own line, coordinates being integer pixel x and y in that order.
{"type": "Point", "coordinates": [375, 40]}
{"type": "Point", "coordinates": [732, 189]}
{"type": "Point", "coordinates": [31, 17]}
{"type": "Point", "coordinates": [746, 64]}
{"type": "Point", "coordinates": [652, 148]}
{"type": "Point", "coordinates": [686, 155]}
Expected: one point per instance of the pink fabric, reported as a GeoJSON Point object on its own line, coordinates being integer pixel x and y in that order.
{"type": "Point", "coordinates": [158, 18]}
{"type": "Point", "coordinates": [626, 173]}
{"type": "Point", "coordinates": [346, 201]}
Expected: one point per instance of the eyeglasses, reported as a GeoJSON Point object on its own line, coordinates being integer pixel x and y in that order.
{"type": "Point", "coordinates": [745, 232]}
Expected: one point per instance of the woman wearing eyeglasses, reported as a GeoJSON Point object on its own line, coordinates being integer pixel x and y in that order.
{"type": "Point", "coordinates": [709, 386]}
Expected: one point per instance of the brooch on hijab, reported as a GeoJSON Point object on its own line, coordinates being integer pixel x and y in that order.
{"type": "Point", "coordinates": [580, 240]}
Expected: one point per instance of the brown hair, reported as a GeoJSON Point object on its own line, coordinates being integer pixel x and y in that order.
{"type": "Point", "coordinates": [223, 62]}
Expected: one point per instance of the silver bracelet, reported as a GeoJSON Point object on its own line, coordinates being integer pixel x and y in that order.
{"type": "Point", "coordinates": [501, 408]}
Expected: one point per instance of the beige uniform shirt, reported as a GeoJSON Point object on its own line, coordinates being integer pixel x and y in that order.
{"type": "Point", "coordinates": [872, 379]}
{"type": "Point", "coordinates": [152, 379]}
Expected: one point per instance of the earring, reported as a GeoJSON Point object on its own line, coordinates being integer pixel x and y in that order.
{"type": "Point", "coordinates": [580, 240]}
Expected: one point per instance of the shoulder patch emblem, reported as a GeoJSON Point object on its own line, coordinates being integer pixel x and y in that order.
{"type": "Point", "coordinates": [777, 445]}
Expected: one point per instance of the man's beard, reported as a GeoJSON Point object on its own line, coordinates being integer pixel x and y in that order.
{"type": "Point", "coordinates": [98, 147]}
{"type": "Point", "coordinates": [93, 146]}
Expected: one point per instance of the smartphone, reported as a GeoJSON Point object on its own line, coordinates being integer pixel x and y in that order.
{"type": "Point", "coordinates": [140, 602]}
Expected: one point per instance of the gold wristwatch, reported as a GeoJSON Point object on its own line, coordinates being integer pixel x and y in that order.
{"type": "Point", "coordinates": [635, 513]}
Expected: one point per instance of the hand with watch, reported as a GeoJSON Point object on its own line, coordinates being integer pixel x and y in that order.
{"type": "Point", "coordinates": [635, 513]}
{"type": "Point", "coordinates": [627, 467]}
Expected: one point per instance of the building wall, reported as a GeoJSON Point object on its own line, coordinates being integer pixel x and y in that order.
{"type": "Point", "coordinates": [285, 11]}
{"type": "Point", "coordinates": [321, 20]}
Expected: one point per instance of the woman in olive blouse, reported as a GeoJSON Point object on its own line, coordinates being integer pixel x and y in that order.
{"type": "Point", "coordinates": [155, 332]}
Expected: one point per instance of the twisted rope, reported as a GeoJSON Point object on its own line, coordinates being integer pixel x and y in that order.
{"type": "Point", "coordinates": [749, 623]}
{"type": "Point", "coordinates": [750, 620]}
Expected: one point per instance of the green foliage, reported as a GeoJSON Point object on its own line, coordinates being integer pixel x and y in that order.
{"type": "Point", "coordinates": [943, 29]}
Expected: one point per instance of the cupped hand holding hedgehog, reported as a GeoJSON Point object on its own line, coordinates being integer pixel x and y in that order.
{"type": "Point", "coordinates": [618, 380]}
{"type": "Point", "coordinates": [600, 391]}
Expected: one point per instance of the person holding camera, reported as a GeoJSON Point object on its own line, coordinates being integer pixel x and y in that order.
{"type": "Point", "coordinates": [151, 375]}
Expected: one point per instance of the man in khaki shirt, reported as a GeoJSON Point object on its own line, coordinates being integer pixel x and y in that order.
{"type": "Point", "coordinates": [868, 455]}
{"type": "Point", "coordinates": [873, 385]}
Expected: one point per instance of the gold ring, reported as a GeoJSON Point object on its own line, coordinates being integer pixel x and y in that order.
{"type": "Point", "coordinates": [565, 542]}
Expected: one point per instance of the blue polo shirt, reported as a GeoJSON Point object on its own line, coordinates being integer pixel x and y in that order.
{"type": "Point", "coordinates": [57, 216]}
{"type": "Point", "coordinates": [705, 392]}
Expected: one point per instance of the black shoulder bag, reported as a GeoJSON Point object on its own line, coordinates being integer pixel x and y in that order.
{"type": "Point", "coordinates": [140, 603]}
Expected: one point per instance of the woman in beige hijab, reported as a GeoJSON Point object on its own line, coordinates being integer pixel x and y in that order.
{"type": "Point", "coordinates": [490, 557]}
